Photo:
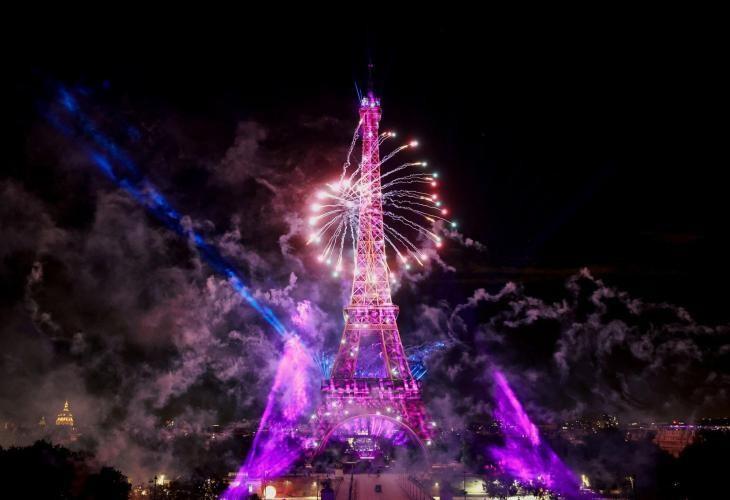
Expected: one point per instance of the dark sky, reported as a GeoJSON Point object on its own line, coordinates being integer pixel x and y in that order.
{"type": "Point", "coordinates": [595, 145]}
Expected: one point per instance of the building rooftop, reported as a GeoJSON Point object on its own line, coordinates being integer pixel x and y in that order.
{"type": "Point", "coordinates": [65, 417]}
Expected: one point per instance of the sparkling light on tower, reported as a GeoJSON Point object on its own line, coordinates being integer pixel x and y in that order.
{"type": "Point", "coordinates": [371, 380]}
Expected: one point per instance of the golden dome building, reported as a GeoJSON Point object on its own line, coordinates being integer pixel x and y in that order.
{"type": "Point", "coordinates": [65, 417]}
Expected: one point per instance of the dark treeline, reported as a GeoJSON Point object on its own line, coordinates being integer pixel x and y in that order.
{"type": "Point", "coordinates": [631, 469]}
{"type": "Point", "coordinates": [48, 471]}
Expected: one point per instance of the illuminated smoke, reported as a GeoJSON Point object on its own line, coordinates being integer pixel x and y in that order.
{"type": "Point", "coordinates": [105, 154]}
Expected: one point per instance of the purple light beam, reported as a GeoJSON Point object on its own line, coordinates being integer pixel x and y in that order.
{"type": "Point", "coordinates": [524, 455]}
{"type": "Point", "coordinates": [277, 445]}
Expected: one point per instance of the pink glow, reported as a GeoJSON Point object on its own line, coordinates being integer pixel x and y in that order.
{"type": "Point", "coordinates": [302, 316]}
{"type": "Point", "coordinates": [374, 426]}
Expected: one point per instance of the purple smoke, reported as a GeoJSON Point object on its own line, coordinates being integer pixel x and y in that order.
{"type": "Point", "coordinates": [524, 455]}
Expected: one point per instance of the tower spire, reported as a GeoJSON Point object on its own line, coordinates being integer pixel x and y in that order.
{"type": "Point", "coordinates": [371, 67]}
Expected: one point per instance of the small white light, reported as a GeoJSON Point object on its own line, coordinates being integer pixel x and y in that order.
{"type": "Point", "coordinates": [270, 491]}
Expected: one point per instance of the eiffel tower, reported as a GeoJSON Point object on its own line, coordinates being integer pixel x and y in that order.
{"type": "Point", "coordinates": [371, 387]}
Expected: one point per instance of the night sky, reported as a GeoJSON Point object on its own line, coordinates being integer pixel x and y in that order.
{"type": "Point", "coordinates": [565, 147]}
{"type": "Point", "coordinates": [560, 148]}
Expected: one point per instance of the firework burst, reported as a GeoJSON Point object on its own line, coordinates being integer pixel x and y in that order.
{"type": "Point", "coordinates": [412, 208]}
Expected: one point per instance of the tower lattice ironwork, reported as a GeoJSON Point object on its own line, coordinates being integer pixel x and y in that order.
{"type": "Point", "coordinates": [370, 377]}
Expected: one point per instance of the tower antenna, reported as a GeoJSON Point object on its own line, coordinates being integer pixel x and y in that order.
{"type": "Point", "coordinates": [370, 75]}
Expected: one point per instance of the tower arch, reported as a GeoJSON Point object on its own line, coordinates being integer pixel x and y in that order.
{"type": "Point", "coordinates": [412, 434]}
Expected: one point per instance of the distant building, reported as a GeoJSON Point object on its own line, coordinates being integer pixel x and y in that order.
{"type": "Point", "coordinates": [42, 422]}
{"type": "Point", "coordinates": [674, 440]}
{"type": "Point", "coordinates": [65, 417]}
{"type": "Point", "coordinates": [65, 431]}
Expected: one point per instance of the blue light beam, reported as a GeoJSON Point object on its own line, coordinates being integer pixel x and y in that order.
{"type": "Point", "coordinates": [106, 154]}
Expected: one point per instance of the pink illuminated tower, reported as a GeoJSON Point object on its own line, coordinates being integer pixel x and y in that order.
{"type": "Point", "coordinates": [371, 389]}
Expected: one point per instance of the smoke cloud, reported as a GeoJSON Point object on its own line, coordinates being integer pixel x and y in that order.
{"type": "Point", "coordinates": [106, 307]}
